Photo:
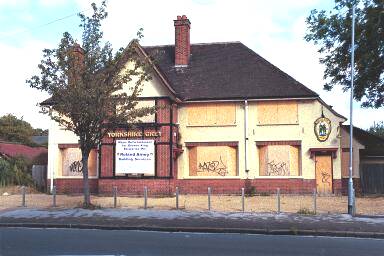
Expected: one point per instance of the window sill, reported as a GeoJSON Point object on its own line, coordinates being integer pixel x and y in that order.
{"type": "Point", "coordinates": [278, 177]}
{"type": "Point", "coordinates": [210, 177]}
{"type": "Point", "coordinates": [74, 177]}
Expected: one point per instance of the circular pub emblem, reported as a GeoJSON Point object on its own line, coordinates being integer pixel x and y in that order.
{"type": "Point", "coordinates": [322, 128]}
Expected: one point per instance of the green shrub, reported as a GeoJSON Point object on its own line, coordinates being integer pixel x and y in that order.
{"type": "Point", "coordinates": [15, 171]}
{"type": "Point", "coordinates": [6, 175]}
{"type": "Point", "coordinates": [251, 191]}
{"type": "Point", "coordinates": [306, 211]}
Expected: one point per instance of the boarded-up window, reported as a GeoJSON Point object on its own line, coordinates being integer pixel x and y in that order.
{"type": "Point", "coordinates": [279, 160]}
{"type": "Point", "coordinates": [71, 162]}
{"type": "Point", "coordinates": [211, 114]}
{"type": "Point", "coordinates": [277, 112]}
{"type": "Point", "coordinates": [213, 161]}
{"type": "Point", "coordinates": [345, 164]}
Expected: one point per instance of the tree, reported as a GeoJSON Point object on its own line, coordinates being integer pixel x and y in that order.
{"type": "Point", "coordinates": [331, 31]}
{"type": "Point", "coordinates": [40, 132]}
{"type": "Point", "coordinates": [85, 83]}
{"type": "Point", "coordinates": [377, 129]}
{"type": "Point", "coordinates": [14, 129]}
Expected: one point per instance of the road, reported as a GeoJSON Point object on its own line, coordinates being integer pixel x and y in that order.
{"type": "Point", "coordinates": [27, 241]}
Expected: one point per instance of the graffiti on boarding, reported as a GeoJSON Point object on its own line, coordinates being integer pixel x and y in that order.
{"type": "Point", "coordinates": [325, 176]}
{"type": "Point", "coordinates": [277, 169]}
{"type": "Point", "coordinates": [76, 166]}
{"type": "Point", "coordinates": [215, 166]}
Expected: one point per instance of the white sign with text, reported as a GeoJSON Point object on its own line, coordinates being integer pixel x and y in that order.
{"type": "Point", "coordinates": [135, 156]}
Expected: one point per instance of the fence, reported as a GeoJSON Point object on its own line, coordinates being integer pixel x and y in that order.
{"type": "Point", "coordinates": [372, 178]}
{"type": "Point", "coordinates": [274, 202]}
{"type": "Point", "coordinates": [39, 176]}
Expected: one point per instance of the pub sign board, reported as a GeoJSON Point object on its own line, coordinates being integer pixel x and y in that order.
{"type": "Point", "coordinates": [322, 128]}
{"type": "Point", "coordinates": [135, 157]}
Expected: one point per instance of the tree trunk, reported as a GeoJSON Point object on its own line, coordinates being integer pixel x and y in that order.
{"type": "Point", "coordinates": [84, 161]}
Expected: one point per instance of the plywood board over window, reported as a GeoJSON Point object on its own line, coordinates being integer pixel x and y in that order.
{"type": "Point", "coordinates": [345, 164]}
{"type": "Point", "coordinates": [279, 160]}
{"type": "Point", "coordinates": [217, 161]}
{"type": "Point", "coordinates": [71, 162]}
{"type": "Point", "coordinates": [277, 112]}
{"type": "Point", "coordinates": [211, 114]}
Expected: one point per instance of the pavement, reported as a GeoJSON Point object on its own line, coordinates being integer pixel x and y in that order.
{"type": "Point", "coordinates": [340, 225]}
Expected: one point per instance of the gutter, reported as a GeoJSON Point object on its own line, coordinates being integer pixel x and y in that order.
{"type": "Point", "coordinates": [250, 100]}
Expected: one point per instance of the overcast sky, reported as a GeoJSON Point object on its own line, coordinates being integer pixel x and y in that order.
{"type": "Point", "coordinates": [274, 29]}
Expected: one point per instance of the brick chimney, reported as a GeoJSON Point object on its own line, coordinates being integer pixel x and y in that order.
{"type": "Point", "coordinates": [182, 43]}
{"type": "Point", "coordinates": [76, 55]}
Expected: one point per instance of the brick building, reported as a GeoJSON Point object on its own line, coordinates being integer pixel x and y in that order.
{"type": "Point", "coordinates": [227, 119]}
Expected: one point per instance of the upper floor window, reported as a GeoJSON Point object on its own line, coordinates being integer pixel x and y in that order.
{"type": "Point", "coordinates": [277, 112]}
{"type": "Point", "coordinates": [211, 114]}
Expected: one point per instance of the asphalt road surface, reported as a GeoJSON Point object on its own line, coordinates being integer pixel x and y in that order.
{"type": "Point", "coordinates": [27, 241]}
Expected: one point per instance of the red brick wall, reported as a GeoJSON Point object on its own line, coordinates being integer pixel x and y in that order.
{"type": "Point", "coordinates": [72, 186]}
{"type": "Point", "coordinates": [136, 186]}
{"type": "Point", "coordinates": [106, 166]}
{"type": "Point", "coordinates": [191, 186]}
{"type": "Point", "coordinates": [164, 111]}
{"type": "Point", "coordinates": [198, 186]}
{"type": "Point", "coordinates": [356, 185]}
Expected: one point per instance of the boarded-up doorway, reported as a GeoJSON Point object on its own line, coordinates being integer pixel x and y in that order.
{"type": "Point", "coordinates": [324, 174]}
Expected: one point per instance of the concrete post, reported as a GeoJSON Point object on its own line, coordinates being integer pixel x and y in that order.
{"type": "Point", "coordinates": [278, 200]}
{"type": "Point", "coordinates": [114, 196]}
{"type": "Point", "coordinates": [354, 202]}
{"type": "Point", "coordinates": [242, 200]}
{"type": "Point", "coordinates": [54, 196]}
{"type": "Point", "coordinates": [209, 198]}
{"type": "Point", "coordinates": [145, 197]}
{"type": "Point", "coordinates": [23, 196]}
{"type": "Point", "coordinates": [177, 198]}
{"type": "Point", "coordinates": [314, 200]}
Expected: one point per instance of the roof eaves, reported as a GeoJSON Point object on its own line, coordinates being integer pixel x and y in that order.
{"type": "Point", "coordinates": [331, 109]}
{"type": "Point", "coordinates": [300, 97]}
{"type": "Point", "coordinates": [159, 72]}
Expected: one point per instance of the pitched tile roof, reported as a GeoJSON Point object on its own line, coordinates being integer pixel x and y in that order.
{"type": "Point", "coordinates": [374, 145]}
{"type": "Point", "coordinates": [225, 71]}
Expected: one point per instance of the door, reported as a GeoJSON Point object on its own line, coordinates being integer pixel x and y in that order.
{"type": "Point", "coordinates": [324, 174]}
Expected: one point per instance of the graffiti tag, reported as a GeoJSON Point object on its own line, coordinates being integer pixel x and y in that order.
{"type": "Point", "coordinates": [213, 166]}
{"type": "Point", "coordinates": [277, 169]}
{"type": "Point", "coordinates": [325, 177]}
{"type": "Point", "coordinates": [76, 166]}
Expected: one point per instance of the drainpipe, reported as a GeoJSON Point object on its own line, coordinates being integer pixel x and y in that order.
{"type": "Point", "coordinates": [246, 137]}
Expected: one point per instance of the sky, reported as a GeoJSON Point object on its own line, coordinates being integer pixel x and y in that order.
{"type": "Point", "coordinates": [274, 29]}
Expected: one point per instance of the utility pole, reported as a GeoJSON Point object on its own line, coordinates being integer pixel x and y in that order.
{"type": "Point", "coordinates": [351, 193]}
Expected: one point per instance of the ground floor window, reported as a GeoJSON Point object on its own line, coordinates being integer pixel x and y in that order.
{"type": "Point", "coordinates": [279, 160]}
{"type": "Point", "coordinates": [209, 160]}
{"type": "Point", "coordinates": [71, 162]}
